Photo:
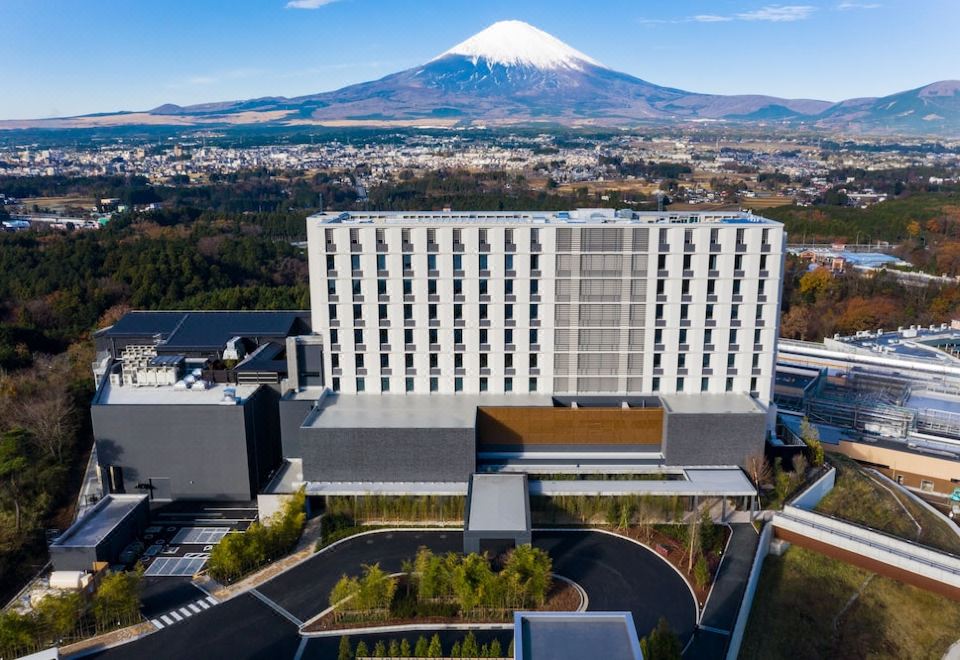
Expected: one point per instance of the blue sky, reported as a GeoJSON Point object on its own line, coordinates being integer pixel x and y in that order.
{"type": "Point", "coordinates": [65, 57]}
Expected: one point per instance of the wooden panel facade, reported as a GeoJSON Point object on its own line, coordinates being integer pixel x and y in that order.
{"type": "Point", "coordinates": [534, 426]}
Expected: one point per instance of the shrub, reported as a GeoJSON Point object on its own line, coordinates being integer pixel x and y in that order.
{"type": "Point", "coordinates": [239, 554]}
{"type": "Point", "coordinates": [701, 574]}
{"type": "Point", "coordinates": [117, 600]}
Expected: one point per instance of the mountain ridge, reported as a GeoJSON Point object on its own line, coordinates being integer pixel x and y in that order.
{"type": "Point", "coordinates": [514, 73]}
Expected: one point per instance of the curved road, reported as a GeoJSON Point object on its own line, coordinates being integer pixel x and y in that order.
{"type": "Point", "coordinates": [616, 574]}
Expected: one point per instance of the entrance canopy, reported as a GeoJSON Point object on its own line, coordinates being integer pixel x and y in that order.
{"type": "Point", "coordinates": [498, 511]}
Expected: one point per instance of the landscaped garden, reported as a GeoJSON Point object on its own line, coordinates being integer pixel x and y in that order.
{"type": "Point", "coordinates": [448, 588]}
{"type": "Point", "coordinates": [811, 606]}
{"type": "Point", "coordinates": [865, 499]}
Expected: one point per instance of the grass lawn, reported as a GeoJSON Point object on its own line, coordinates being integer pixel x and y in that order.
{"type": "Point", "coordinates": [803, 609]}
{"type": "Point", "coordinates": [859, 498]}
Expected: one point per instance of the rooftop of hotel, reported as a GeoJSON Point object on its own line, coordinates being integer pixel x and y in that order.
{"type": "Point", "coordinates": [917, 342]}
{"type": "Point", "coordinates": [576, 217]}
{"type": "Point", "coordinates": [212, 394]}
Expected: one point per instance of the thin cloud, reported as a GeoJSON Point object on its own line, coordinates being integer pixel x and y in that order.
{"type": "Point", "coordinates": [778, 13]}
{"type": "Point", "coordinates": [848, 6]}
{"type": "Point", "coordinates": [768, 13]}
{"type": "Point", "coordinates": [308, 4]}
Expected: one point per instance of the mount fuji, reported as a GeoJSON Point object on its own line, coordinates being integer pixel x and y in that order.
{"type": "Point", "coordinates": [514, 73]}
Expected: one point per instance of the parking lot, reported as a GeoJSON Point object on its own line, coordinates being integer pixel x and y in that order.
{"type": "Point", "coordinates": [180, 536]}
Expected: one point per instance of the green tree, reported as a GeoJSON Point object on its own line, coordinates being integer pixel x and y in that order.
{"type": "Point", "coordinates": [469, 648]}
{"type": "Point", "coordinates": [117, 600]}
{"type": "Point", "coordinates": [811, 436]}
{"type": "Point", "coordinates": [18, 634]}
{"type": "Point", "coordinates": [362, 650]}
{"type": "Point", "coordinates": [405, 650]}
{"type": "Point", "coordinates": [495, 649]}
{"type": "Point", "coordinates": [661, 644]}
{"type": "Point", "coordinates": [13, 464]}
{"type": "Point", "coordinates": [422, 648]}
{"type": "Point", "coordinates": [346, 651]}
{"type": "Point", "coordinates": [60, 615]}
{"type": "Point", "coordinates": [435, 649]}
{"type": "Point", "coordinates": [394, 651]}
{"type": "Point", "coordinates": [455, 650]}
{"type": "Point", "coordinates": [701, 573]}
{"type": "Point", "coordinates": [379, 649]}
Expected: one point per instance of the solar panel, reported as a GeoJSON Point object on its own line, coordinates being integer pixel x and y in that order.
{"type": "Point", "coordinates": [175, 566]}
{"type": "Point", "coordinates": [200, 535]}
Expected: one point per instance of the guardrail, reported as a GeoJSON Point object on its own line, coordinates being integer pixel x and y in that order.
{"type": "Point", "coordinates": [743, 614]}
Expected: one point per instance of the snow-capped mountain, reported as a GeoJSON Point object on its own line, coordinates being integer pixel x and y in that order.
{"type": "Point", "coordinates": [512, 72]}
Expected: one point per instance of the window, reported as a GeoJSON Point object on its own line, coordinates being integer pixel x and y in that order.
{"type": "Point", "coordinates": [756, 336]}
{"type": "Point", "coordinates": [926, 486]}
{"type": "Point", "coordinates": [657, 360]}
{"type": "Point", "coordinates": [508, 262]}
{"type": "Point", "coordinates": [680, 383]}
{"type": "Point", "coordinates": [483, 361]}
{"type": "Point", "coordinates": [534, 287]}
{"type": "Point", "coordinates": [408, 384]}
{"type": "Point", "coordinates": [508, 336]}
{"type": "Point", "coordinates": [712, 263]}
{"type": "Point", "coordinates": [358, 312]}
{"type": "Point", "coordinates": [334, 336]}
{"type": "Point", "coordinates": [483, 311]}
{"type": "Point", "coordinates": [733, 336]}
{"type": "Point", "coordinates": [355, 262]}
{"type": "Point", "coordinates": [381, 262]}
{"type": "Point", "coordinates": [507, 360]}
{"type": "Point", "coordinates": [708, 336]}
{"type": "Point", "coordinates": [534, 336]}
{"type": "Point", "coordinates": [661, 287]}
{"type": "Point", "coordinates": [484, 384]}
{"type": "Point", "coordinates": [434, 336]}
{"type": "Point", "coordinates": [534, 311]}
{"type": "Point", "coordinates": [384, 384]}
{"type": "Point", "coordinates": [407, 312]}
{"type": "Point", "coordinates": [507, 311]}
{"type": "Point", "coordinates": [685, 287]}
{"type": "Point", "coordinates": [484, 262]}
{"type": "Point", "coordinates": [336, 384]}
{"type": "Point", "coordinates": [658, 336]}
{"type": "Point", "coordinates": [532, 385]}
{"type": "Point", "coordinates": [759, 315]}
{"type": "Point", "coordinates": [408, 287]}
{"type": "Point", "coordinates": [408, 262]}
{"type": "Point", "coordinates": [432, 312]}
{"type": "Point", "coordinates": [731, 360]}
{"type": "Point", "coordinates": [458, 287]}
{"type": "Point", "coordinates": [434, 361]}
{"type": "Point", "coordinates": [384, 337]}
{"type": "Point", "coordinates": [706, 360]}
{"type": "Point", "coordinates": [482, 236]}
{"type": "Point", "coordinates": [681, 361]}
{"type": "Point", "coordinates": [533, 361]}
{"type": "Point", "coordinates": [457, 262]}
{"type": "Point", "coordinates": [408, 336]}
{"type": "Point", "coordinates": [484, 336]}
{"type": "Point", "coordinates": [687, 262]}
{"type": "Point", "coordinates": [662, 262]}
{"type": "Point", "coordinates": [358, 336]}
{"type": "Point", "coordinates": [458, 360]}
{"type": "Point", "coordinates": [332, 287]}
{"type": "Point", "coordinates": [431, 287]}
{"type": "Point", "coordinates": [682, 336]}
{"type": "Point", "coordinates": [434, 384]}
{"type": "Point", "coordinates": [408, 360]}
{"type": "Point", "coordinates": [334, 360]}
{"type": "Point", "coordinates": [384, 360]}
{"type": "Point", "coordinates": [508, 287]}
{"type": "Point", "coordinates": [361, 384]}
{"type": "Point", "coordinates": [484, 288]}
{"type": "Point", "coordinates": [729, 385]}
{"type": "Point", "coordinates": [508, 384]}
{"type": "Point", "coordinates": [381, 287]}
{"type": "Point", "coordinates": [431, 262]}
{"type": "Point", "coordinates": [534, 262]}
{"type": "Point", "coordinates": [740, 234]}
{"type": "Point", "coordinates": [458, 384]}
{"type": "Point", "coordinates": [756, 360]}
{"type": "Point", "coordinates": [381, 312]}
{"type": "Point", "coordinates": [738, 262]}
{"type": "Point", "coordinates": [358, 360]}
{"type": "Point", "coordinates": [534, 236]}
{"type": "Point", "coordinates": [331, 264]}
{"type": "Point", "coordinates": [708, 312]}
{"type": "Point", "coordinates": [688, 237]}
{"type": "Point", "coordinates": [332, 310]}
{"type": "Point", "coordinates": [684, 312]}
{"type": "Point", "coordinates": [734, 312]}
{"type": "Point", "coordinates": [763, 262]}
{"type": "Point", "coordinates": [761, 285]}
{"type": "Point", "coordinates": [655, 384]}
{"type": "Point", "coordinates": [714, 235]}
{"type": "Point", "coordinates": [458, 336]}
{"type": "Point", "coordinates": [753, 384]}
{"type": "Point", "coordinates": [736, 287]}
{"type": "Point", "coordinates": [711, 287]}
{"type": "Point", "coordinates": [659, 310]}
{"type": "Point", "coordinates": [457, 312]}
{"type": "Point", "coordinates": [765, 236]}
{"type": "Point", "coordinates": [704, 384]}
{"type": "Point", "coordinates": [663, 235]}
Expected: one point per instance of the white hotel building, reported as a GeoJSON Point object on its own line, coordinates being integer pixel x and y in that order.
{"type": "Point", "coordinates": [584, 302]}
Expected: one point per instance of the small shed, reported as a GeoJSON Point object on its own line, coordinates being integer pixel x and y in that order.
{"type": "Point", "coordinates": [101, 534]}
{"type": "Point", "coordinates": [498, 513]}
{"type": "Point", "coordinates": [575, 635]}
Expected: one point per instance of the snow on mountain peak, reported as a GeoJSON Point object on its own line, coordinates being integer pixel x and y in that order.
{"type": "Point", "coordinates": [515, 43]}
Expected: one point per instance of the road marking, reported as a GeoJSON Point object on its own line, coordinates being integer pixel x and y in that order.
{"type": "Point", "coordinates": [185, 612]}
{"type": "Point", "coordinates": [204, 604]}
{"type": "Point", "coordinates": [157, 624]}
{"type": "Point", "coordinates": [176, 616]}
{"type": "Point", "coordinates": [276, 608]}
{"type": "Point", "coordinates": [194, 608]}
{"type": "Point", "coordinates": [166, 619]}
{"type": "Point", "coordinates": [301, 648]}
{"type": "Point", "coordinates": [211, 600]}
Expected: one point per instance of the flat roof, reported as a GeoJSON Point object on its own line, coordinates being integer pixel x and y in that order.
{"type": "Point", "coordinates": [699, 482]}
{"type": "Point", "coordinates": [186, 330]}
{"type": "Point", "coordinates": [575, 636]}
{"type": "Point", "coordinates": [99, 521]}
{"type": "Point", "coordinates": [498, 502]}
{"type": "Point", "coordinates": [166, 394]}
{"type": "Point", "coordinates": [450, 488]}
{"type": "Point", "coordinates": [576, 217]}
{"type": "Point", "coordinates": [411, 410]}
{"type": "Point", "coordinates": [727, 402]}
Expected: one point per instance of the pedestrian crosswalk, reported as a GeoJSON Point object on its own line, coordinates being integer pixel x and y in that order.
{"type": "Point", "coordinates": [182, 613]}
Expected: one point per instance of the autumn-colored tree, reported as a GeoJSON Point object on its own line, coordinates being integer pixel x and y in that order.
{"type": "Point", "coordinates": [814, 283]}
{"type": "Point", "coordinates": [913, 228]}
{"type": "Point", "coordinates": [868, 314]}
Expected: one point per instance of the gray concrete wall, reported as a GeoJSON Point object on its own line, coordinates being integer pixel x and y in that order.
{"type": "Point", "coordinates": [204, 449]}
{"type": "Point", "coordinates": [385, 454]}
{"type": "Point", "coordinates": [292, 414]}
{"type": "Point", "coordinates": [713, 438]}
{"type": "Point", "coordinates": [71, 558]}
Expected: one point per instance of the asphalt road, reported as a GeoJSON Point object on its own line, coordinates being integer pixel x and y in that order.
{"type": "Point", "coordinates": [616, 574]}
